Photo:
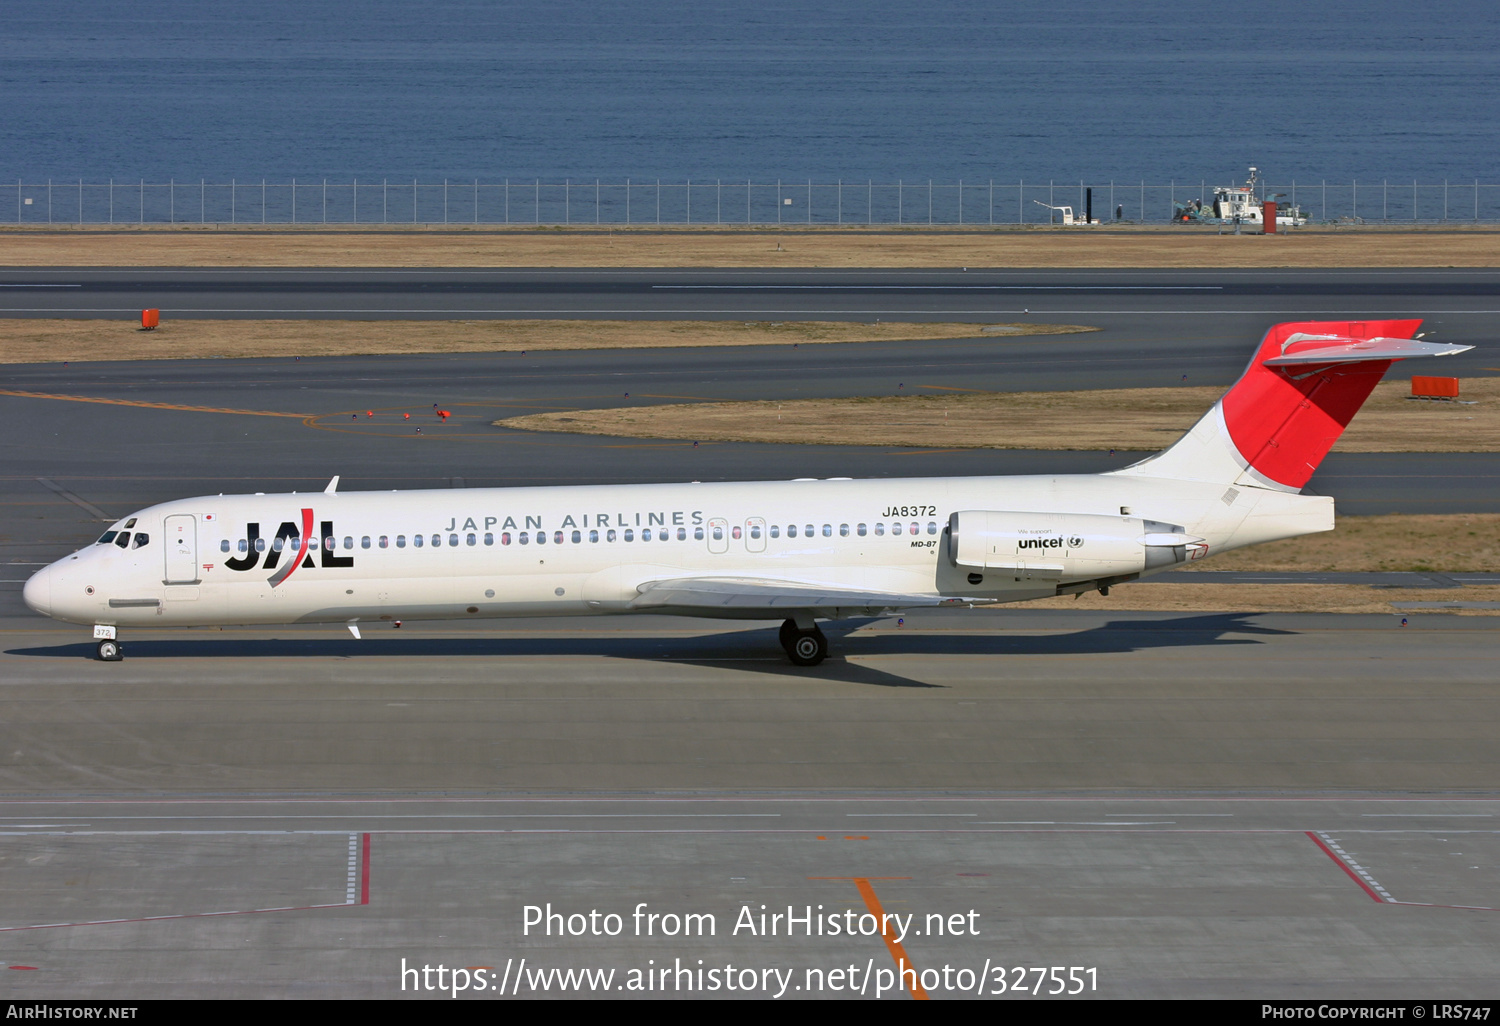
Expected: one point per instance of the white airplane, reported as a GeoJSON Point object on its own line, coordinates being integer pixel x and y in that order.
{"type": "Point", "coordinates": [795, 551]}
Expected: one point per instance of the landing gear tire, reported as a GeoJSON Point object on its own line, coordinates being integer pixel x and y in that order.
{"type": "Point", "coordinates": [108, 651]}
{"type": "Point", "coordinates": [803, 648]}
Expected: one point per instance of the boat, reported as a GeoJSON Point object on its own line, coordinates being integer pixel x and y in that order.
{"type": "Point", "coordinates": [1239, 204]}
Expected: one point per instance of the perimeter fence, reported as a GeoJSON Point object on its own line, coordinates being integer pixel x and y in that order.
{"type": "Point", "coordinates": [715, 202]}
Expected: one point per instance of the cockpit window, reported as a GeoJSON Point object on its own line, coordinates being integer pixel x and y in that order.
{"type": "Point", "coordinates": [106, 537]}
{"type": "Point", "coordinates": [130, 522]}
{"type": "Point", "coordinates": [141, 540]}
{"type": "Point", "coordinates": [123, 540]}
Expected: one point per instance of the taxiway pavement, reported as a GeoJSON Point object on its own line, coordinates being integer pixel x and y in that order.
{"type": "Point", "coordinates": [1211, 806]}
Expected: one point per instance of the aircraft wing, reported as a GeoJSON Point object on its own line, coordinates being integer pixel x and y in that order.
{"type": "Point", "coordinates": [738, 595]}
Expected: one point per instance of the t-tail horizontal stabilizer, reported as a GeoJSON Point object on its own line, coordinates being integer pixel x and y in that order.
{"type": "Point", "coordinates": [1302, 348]}
{"type": "Point", "coordinates": [1301, 389]}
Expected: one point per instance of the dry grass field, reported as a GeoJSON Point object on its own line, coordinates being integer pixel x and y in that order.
{"type": "Point", "coordinates": [1272, 598]}
{"type": "Point", "coordinates": [1041, 247]}
{"type": "Point", "coordinates": [1439, 542]}
{"type": "Point", "coordinates": [1130, 419]}
{"type": "Point", "coordinates": [56, 340]}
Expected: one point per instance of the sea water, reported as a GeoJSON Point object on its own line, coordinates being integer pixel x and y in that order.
{"type": "Point", "coordinates": [879, 89]}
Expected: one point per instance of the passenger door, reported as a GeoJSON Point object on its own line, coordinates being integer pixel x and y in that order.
{"type": "Point", "coordinates": [181, 547]}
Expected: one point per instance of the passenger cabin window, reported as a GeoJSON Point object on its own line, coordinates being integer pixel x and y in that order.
{"type": "Point", "coordinates": [736, 532]}
{"type": "Point", "coordinates": [400, 541]}
{"type": "Point", "coordinates": [577, 537]}
{"type": "Point", "coordinates": [471, 539]}
{"type": "Point", "coordinates": [524, 538]}
{"type": "Point", "coordinates": [755, 530]}
{"type": "Point", "coordinates": [385, 541]}
{"type": "Point", "coordinates": [489, 538]}
{"type": "Point", "coordinates": [416, 541]}
{"type": "Point", "coordinates": [224, 545]}
{"type": "Point", "coordinates": [791, 530]}
{"type": "Point", "coordinates": [504, 537]}
{"type": "Point", "coordinates": [260, 545]}
{"type": "Point", "coordinates": [594, 536]}
{"type": "Point", "coordinates": [932, 527]}
{"type": "Point", "coordinates": [610, 536]}
{"type": "Point", "coordinates": [775, 531]}
{"type": "Point", "coordinates": [879, 530]}
{"type": "Point", "coordinates": [557, 538]}
{"type": "Point", "coordinates": [364, 542]}
{"type": "Point", "coordinates": [861, 530]}
{"type": "Point", "coordinates": [697, 534]}
{"type": "Point", "coordinates": [629, 534]}
{"type": "Point", "coordinates": [243, 545]}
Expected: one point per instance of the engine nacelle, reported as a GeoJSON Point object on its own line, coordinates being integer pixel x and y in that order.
{"type": "Point", "coordinates": [1057, 546]}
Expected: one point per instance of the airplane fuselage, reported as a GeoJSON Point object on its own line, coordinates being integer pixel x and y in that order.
{"type": "Point", "coordinates": [475, 553]}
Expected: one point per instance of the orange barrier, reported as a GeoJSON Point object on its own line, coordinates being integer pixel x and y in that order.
{"type": "Point", "coordinates": [150, 319]}
{"type": "Point", "coordinates": [1434, 388]}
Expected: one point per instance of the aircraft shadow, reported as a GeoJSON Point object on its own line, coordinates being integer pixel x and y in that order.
{"type": "Point", "coordinates": [731, 650]}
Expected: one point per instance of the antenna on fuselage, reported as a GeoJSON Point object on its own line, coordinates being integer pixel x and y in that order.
{"type": "Point", "coordinates": [333, 486]}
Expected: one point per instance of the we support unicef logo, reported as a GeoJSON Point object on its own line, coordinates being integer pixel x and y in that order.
{"type": "Point", "coordinates": [1075, 542]}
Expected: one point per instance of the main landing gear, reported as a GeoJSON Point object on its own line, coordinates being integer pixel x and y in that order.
{"type": "Point", "coordinates": [803, 647]}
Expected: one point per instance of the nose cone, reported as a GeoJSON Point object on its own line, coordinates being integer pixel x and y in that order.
{"type": "Point", "coordinates": [38, 592]}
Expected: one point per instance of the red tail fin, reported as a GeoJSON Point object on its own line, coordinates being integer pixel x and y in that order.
{"type": "Point", "coordinates": [1284, 419]}
{"type": "Point", "coordinates": [1303, 386]}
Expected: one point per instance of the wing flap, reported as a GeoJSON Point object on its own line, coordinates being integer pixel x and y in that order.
{"type": "Point", "coordinates": [739, 594]}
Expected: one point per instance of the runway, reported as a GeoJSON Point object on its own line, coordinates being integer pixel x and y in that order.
{"type": "Point", "coordinates": [1190, 805]}
{"type": "Point", "coordinates": [1453, 300]}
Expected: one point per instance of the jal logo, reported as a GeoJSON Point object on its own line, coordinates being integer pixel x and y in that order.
{"type": "Point", "coordinates": [291, 539]}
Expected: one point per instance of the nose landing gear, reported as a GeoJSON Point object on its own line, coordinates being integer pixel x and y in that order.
{"type": "Point", "coordinates": [803, 647]}
{"type": "Point", "coordinates": [107, 647]}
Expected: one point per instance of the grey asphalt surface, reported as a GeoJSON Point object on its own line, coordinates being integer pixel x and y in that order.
{"type": "Point", "coordinates": [1263, 806]}
{"type": "Point", "coordinates": [1195, 805]}
{"type": "Point", "coordinates": [855, 294]}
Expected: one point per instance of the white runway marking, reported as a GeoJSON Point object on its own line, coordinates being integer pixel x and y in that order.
{"type": "Point", "coordinates": [351, 891]}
